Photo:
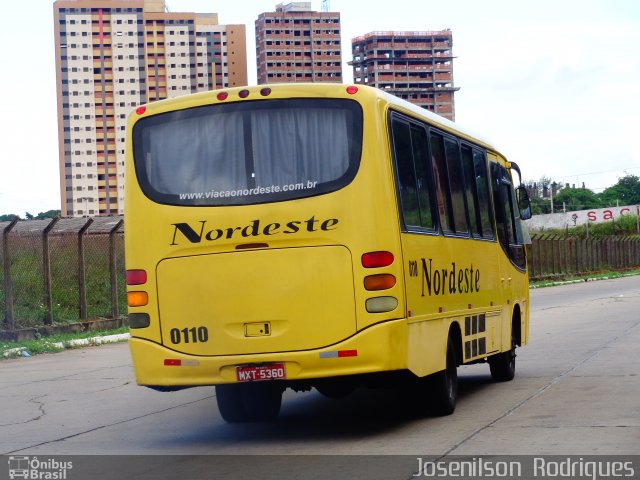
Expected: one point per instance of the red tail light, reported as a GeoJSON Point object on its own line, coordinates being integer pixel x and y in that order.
{"type": "Point", "coordinates": [377, 259]}
{"type": "Point", "coordinates": [136, 277]}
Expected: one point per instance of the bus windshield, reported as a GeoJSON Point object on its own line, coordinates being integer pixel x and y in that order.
{"type": "Point", "coordinates": [248, 152]}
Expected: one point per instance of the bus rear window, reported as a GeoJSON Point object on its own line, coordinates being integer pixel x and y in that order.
{"type": "Point", "coordinates": [248, 152]}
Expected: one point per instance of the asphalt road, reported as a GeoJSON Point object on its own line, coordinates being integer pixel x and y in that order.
{"type": "Point", "coordinates": [576, 392]}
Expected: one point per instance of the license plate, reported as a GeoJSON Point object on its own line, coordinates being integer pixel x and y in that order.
{"type": "Point", "coordinates": [252, 373]}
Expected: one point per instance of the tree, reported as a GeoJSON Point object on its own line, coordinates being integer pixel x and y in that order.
{"type": "Point", "coordinates": [48, 214]}
{"type": "Point", "coordinates": [576, 199]}
{"type": "Point", "coordinates": [540, 193]}
{"type": "Point", "coordinates": [625, 192]}
{"type": "Point", "coordinates": [8, 218]}
{"type": "Point", "coordinates": [540, 206]}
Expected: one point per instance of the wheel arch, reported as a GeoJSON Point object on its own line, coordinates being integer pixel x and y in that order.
{"type": "Point", "coordinates": [516, 324]}
{"type": "Point", "coordinates": [455, 333]}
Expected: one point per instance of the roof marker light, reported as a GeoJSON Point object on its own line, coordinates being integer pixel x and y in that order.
{"type": "Point", "coordinates": [141, 109]}
{"type": "Point", "coordinates": [265, 91]}
{"type": "Point", "coordinates": [222, 96]}
{"type": "Point", "coordinates": [352, 89]}
{"type": "Point", "coordinates": [243, 93]}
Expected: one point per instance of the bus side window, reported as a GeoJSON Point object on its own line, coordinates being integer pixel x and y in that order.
{"type": "Point", "coordinates": [406, 173]}
{"type": "Point", "coordinates": [410, 152]}
{"type": "Point", "coordinates": [441, 183]}
{"type": "Point", "coordinates": [420, 146]}
{"type": "Point", "coordinates": [456, 186]}
{"type": "Point", "coordinates": [471, 191]}
{"type": "Point", "coordinates": [482, 187]}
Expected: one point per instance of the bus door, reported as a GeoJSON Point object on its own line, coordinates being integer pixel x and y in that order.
{"type": "Point", "coordinates": [513, 260]}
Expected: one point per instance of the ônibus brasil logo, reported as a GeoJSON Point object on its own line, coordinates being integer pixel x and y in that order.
{"type": "Point", "coordinates": [38, 469]}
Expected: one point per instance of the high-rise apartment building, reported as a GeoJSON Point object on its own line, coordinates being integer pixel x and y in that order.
{"type": "Point", "coordinates": [113, 55]}
{"type": "Point", "coordinates": [296, 44]}
{"type": "Point", "coordinates": [416, 66]}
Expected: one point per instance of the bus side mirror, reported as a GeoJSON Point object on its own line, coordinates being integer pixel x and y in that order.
{"type": "Point", "coordinates": [524, 204]}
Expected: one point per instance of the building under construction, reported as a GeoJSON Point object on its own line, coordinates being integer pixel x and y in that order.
{"type": "Point", "coordinates": [416, 66]}
{"type": "Point", "coordinates": [297, 44]}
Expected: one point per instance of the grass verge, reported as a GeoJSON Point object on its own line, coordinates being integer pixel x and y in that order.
{"type": "Point", "coordinates": [566, 280]}
{"type": "Point", "coordinates": [57, 343]}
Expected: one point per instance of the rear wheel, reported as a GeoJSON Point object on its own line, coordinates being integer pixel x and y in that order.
{"type": "Point", "coordinates": [435, 394]}
{"type": "Point", "coordinates": [444, 384]}
{"type": "Point", "coordinates": [336, 388]}
{"type": "Point", "coordinates": [249, 402]}
{"type": "Point", "coordinates": [503, 365]}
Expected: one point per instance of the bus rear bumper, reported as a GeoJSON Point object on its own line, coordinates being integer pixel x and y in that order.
{"type": "Point", "coordinates": [380, 348]}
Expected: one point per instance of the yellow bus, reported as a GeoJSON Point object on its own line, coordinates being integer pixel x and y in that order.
{"type": "Point", "coordinates": [318, 236]}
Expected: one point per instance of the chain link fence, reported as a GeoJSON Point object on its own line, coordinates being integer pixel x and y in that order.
{"type": "Point", "coordinates": [61, 271]}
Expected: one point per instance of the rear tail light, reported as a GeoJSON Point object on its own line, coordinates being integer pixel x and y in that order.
{"type": "Point", "coordinates": [377, 259]}
{"type": "Point", "coordinates": [139, 320]}
{"type": "Point", "coordinates": [136, 277]}
{"type": "Point", "coordinates": [381, 304]}
{"type": "Point", "coordinates": [137, 299]}
{"type": "Point", "coordinates": [379, 282]}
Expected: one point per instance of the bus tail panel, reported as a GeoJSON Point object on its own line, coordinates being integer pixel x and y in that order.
{"type": "Point", "coordinates": [257, 301]}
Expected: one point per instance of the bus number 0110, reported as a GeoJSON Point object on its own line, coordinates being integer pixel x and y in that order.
{"type": "Point", "coordinates": [189, 335]}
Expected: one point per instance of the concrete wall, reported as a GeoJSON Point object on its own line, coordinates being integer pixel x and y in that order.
{"type": "Point", "coordinates": [572, 219]}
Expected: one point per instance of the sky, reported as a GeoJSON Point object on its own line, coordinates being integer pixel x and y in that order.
{"type": "Point", "coordinates": [555, 84]}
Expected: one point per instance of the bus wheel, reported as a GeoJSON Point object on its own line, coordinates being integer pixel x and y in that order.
{"type": "Point", "coordinates": [250, 402]}
{"type": "Point", "coordinates": [336, 388]}
{"type": "Point", "coordinates": [503, 365]}
{"type": "Point", "coordinates": [231, 403]}
{"type": "Point", "coordinates": [444, 385]}
{"type": "Point", "coordinates": [262, 401]}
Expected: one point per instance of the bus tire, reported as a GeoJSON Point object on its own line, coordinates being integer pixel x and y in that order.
{"type": "Point", "coordinates": [503, 365]}
{"type": "Point", "coordinates": [336, 388]}
{"type": "Point", "coordinates": [263, 401]}
{"type": "Point", "coordinates": [444, 385]}
{"type": "Point", "coordinates": [250, 402]}
{"type": "Point", "coordinates": [231, 403]}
